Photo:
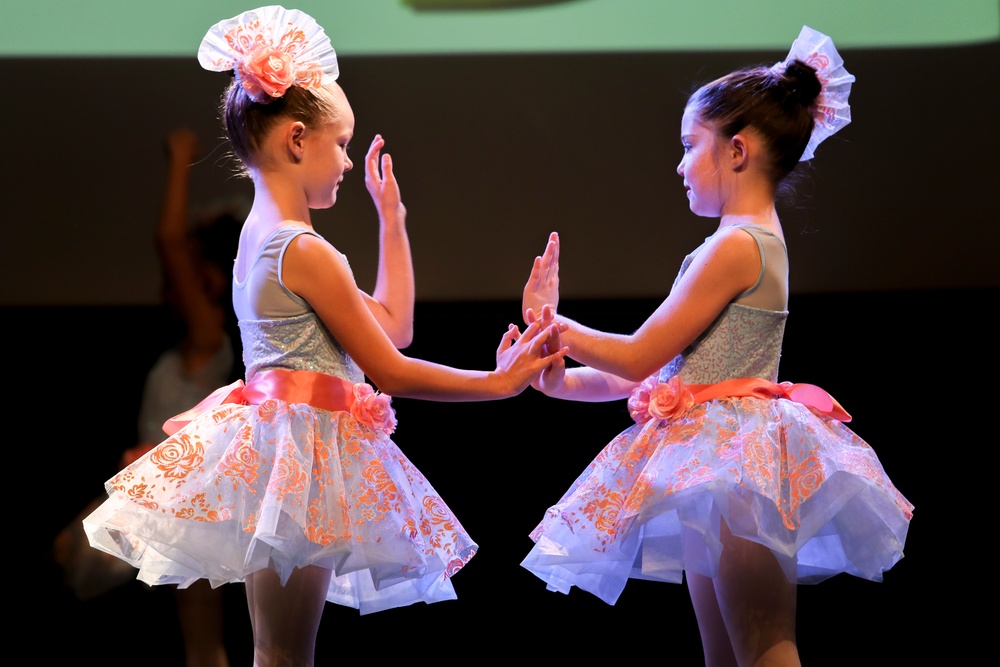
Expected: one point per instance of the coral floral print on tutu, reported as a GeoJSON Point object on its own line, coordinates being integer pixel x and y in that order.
{"type": "Point", "coordinates": [373, 408]}
{"type": "Point", "coordinates": [659, 400]}
{"type": "Point", "coordinates": [269, 50]}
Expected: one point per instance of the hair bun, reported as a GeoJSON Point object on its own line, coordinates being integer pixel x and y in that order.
{"type": "Point", "coordinates": [803, 81]}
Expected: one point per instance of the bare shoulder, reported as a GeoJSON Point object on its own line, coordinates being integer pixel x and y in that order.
{"type": "Point", "coordinates": [728, 264]}
{"type": "Point", "coordinates": [311, 247]}
{"type": "Point", "coordinates": [311, 263]}
{"type": "Point", "coordinates": [734, 234]}
{"type": "Point", "coordinates": [731, 244]}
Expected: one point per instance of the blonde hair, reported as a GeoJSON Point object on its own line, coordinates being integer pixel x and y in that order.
{"type": "Point", "coordinates": [246, 123]}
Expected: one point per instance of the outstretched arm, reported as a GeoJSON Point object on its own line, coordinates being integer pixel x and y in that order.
{"type": "Point", "coordinates": [392, 302]}
{"type": "Point", "coordinates": [539, 302]}
{"type": "Point", "coordinates": [723, 269]}
{"type": "Point", "coordinates": [580, 383]}
{"type": "Point", "coordinates": [590, 385]}
{"type": "Point", "coordinates": [315, 271]}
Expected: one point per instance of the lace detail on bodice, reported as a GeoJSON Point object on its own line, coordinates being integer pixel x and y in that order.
{"type": "Point", "coordinates": [295, 343]}
{"type": "Point", "coordinates": [743, 342]}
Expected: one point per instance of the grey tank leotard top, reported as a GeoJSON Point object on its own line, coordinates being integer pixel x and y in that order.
{"type": "Point", "coordinates": [279, 329]}
{"type": "Point", "coordinates": [745, 340]}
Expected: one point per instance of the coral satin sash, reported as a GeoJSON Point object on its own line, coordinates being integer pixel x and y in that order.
{"type": "Point", "coordinates": [807, 394]}
{"type": "Point", "coordinates": [320, 390]}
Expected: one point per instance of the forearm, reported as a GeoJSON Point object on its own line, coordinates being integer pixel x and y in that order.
{"type": "Point", "coordinates": [521, 357]}
{"type": "Point", "coordinates": [592, 386]}
{"type": "Point", "coordinates": [427, 380]}
{"type": "Point", "coordinates": [182, 150]}
{"type": "Point", "coordinates": [615, 354]}
{"type": "Point", "coordinates": [171, 228]}
{"type": "Point", "coordinates": [395, 289]}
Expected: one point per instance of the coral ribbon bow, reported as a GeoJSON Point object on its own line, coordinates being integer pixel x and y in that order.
{"type": "Point", "coordinates": [317, 389]}
{"type": "Point", "coordinates": [231, 393]}
{"type": "Point", "coordinates": [807, 394]}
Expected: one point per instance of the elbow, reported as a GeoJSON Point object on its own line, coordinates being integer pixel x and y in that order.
{"type": "Point", "coordinates": [642, 358]}
{"type": "Point", "coordinates": [638, 369]}
{"type": "Point", "coordinates": [388, 388]}
{"type": "Point", "coordinates": [403, 338]}
{"type": "Point", "coordinates": [399, 330]}
{"type": "Point", "coordinates": [390, 375]}
{"type": "Point", "coordinates": [392, 385]}
{"type": "Point", "coordinates": [635, 375]}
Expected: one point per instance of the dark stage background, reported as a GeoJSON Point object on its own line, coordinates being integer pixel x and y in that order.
{"type": "Point", "coordinates": [892, 359]}
{"type": "Point", "coordinates": [894, 284]}
{"type": "Point", "coordinates": [493, 153]}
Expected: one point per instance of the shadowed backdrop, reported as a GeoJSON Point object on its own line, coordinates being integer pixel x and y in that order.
{"type": "Point", "coordinates": [893, 246]}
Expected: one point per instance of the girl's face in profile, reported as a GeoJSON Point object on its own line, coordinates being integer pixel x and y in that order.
{"type": "Point", "coordinates": [326, 159]}
{"type": "Point", "coordinates": [699, 166]}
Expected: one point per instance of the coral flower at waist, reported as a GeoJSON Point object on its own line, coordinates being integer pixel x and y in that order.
{"type": "Point", "coordinates": [326, 392]}
{"type": "Point", "coordinates": [672, 399]}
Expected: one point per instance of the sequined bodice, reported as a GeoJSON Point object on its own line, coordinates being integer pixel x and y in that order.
{"type": "Point", "coordinates": [279, 329]}
{"type": "Point", "coordinates": [743, 341]}
{"type": "Point", "coordinates": [295, 343]}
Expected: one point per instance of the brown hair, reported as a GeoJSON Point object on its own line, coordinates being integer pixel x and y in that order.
{"type": "Point", "coordinates": [777, 103]}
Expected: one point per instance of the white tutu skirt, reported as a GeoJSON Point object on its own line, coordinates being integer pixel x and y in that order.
{"type": "Point", "coordinates": [650, 505]}
{"type": "Point", "coordinates": [282, 486]}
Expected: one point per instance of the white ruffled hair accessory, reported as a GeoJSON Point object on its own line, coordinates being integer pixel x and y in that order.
{"type": "Point", "coordinates": [831, 110]}
{"type": "Point", "coordinates": [269, 50]}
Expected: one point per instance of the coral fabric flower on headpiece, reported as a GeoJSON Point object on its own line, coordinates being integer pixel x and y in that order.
{"type": "Point", "coordinates": [269, 50]}
{"type": "Point", "coordinates": [266, 70]}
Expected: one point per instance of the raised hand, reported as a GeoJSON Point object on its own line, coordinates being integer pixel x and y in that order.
{"type": "Point", "coordinates": [381, 182]}
{"type": "Point", "coordinates": [551, 379]}
{"type": "Point", "coordinates": [182, 146]}
{"type": "Point", "coordinates": [542, 287]}
{"type": "Point", "coordinates": [523, 356]}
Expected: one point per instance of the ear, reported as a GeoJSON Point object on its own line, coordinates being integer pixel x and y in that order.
{"type": "Point", "coordinates": [294, 135]}
{"type": "Point", "coordinates": [739, 152]}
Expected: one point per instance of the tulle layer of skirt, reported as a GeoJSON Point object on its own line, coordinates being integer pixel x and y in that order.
{"type": "Point", "coordinates": [650, 505]}
{"type": "Point", "coordinates": [282, 486]}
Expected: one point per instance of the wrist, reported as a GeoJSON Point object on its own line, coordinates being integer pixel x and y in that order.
{"type": "Point", "coordinates": [394, 219]}
{"type": "Point", "coordinates": [504, 385]}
